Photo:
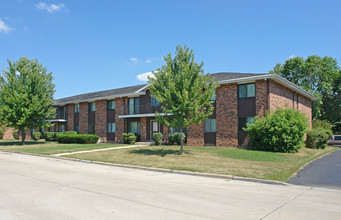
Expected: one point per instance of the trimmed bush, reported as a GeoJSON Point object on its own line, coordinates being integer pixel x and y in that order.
{"type": "Point", "coordinates": [157, 137]}
{"type": "Point", "coordinates": [129, 138]}
{"type": "Point", "coordinates": [175, 138]}
{"type": "Point", "coordinates": [16, 135]}
{"type": "Point", "coordinates": [49, 136]}
{"type": "Point", "coordinates": [322, 124]}
{"type": "Point", "coordinates": [318, 138]}
{"type": "Point", "coordinates": [280, 131]}
{"type": "Point", "coordinates": [78, 138]}
{"type": "Point", "coordinates": [132, 139]}
{"type": "Point", "coordinates": [70, 132]}
{"type": "Point", "coordinates": [36, 135]}
{"type": "Point", "coordinates": [171, 139]}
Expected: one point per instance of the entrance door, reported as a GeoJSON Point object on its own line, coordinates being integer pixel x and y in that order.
{"type": "Point", "coordinates": [154, 128]}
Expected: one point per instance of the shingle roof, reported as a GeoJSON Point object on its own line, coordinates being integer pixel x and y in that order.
{"type": "Point", "coordinates": [132, 89]}
{"type": "Point", "coordinates": [97, 95]}
{"type": "Point", "coordinates": [226, 75]}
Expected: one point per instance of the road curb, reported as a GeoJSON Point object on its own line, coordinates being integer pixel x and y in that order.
{"type": "Point", "coordinates": [161, 170]}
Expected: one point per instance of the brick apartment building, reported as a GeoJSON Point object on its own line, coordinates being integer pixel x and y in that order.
{"type": "Point", "coordinates": [239, 98]}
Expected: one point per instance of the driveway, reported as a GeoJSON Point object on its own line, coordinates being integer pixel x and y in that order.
{"type": "Point", "coordinates": [35, 187]}
{"type": "Point", "coordinates": [323, 172]}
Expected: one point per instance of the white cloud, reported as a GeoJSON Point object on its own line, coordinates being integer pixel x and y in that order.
{"type": "Point", "coordinates": [4, 27]}
{"type": "Point", "coordinates": [292, 56]}
{"type": "Point", "coordinates": [50, 8]}
{"type": "Point", "coordinates": [144, 76]}
{"type": "Point", "coordinates": [149, 60]}
{"type": "Point", "coordinates": [134, 59]}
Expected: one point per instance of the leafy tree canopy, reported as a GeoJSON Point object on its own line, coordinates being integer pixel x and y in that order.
{"type": "Point", "coordinates": [26, 95]}
{"type": "Point", "coordinates": [183, 90]}
{"type": "Point", "coordinates": [320, 76]}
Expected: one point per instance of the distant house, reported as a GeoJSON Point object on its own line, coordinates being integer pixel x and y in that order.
{"type": "Point", "coordinates": [239, 98]}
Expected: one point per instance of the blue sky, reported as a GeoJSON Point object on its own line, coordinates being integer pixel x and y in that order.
{"type": "Point", "coordinates": [98, 45]}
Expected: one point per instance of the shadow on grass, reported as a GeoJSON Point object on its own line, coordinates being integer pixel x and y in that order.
{"type": "Point", "coordinates": [157, 152]}
{"type": "Point", "coordinates": [19, 143]}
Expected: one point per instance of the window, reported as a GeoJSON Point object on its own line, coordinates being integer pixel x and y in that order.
{"type": "Point", "coordinates": [210, 125]}
{"type": "Point", "coordinates": [92, 106]}
{"type": "Point", "coordinates": [246, 90]}
{"type": "Point", "coordinates": [134, 127]}
{"type": "Point", "coordinates": [155, 102]}
{"type": "Point", "coordinates": [52, 129]}
{"type": "Point", "coordinates": [111, 127]}
{"type": "Point", "coordinates": [43, 129]}
{"type": "Point", "coordinates": [134, 106]}
{"type": "Point", "coordinates": [76, 108]}
{"type": "Point", "coordinates": [243, 121]}
{"type": "Point", "coordinates": [111, 105]}
{"type": "Point", "coordinates": [91, 128]}
{"type": "Point", "coordinates": [76, 128]}
{"type": "Point", "coordinates": [62, 128]}
{"type": "Point", "coordinates": [337, 137]}
{"type": "Point", "coordinates": [174, 130]}
{"type": "Point", "coordinates": [213, 98]}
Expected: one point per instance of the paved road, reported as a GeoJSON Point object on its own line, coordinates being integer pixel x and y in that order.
{"type": "Point", "coordinates": [34, 187]}
{"type": "Point", "coordinates": [324, 172]}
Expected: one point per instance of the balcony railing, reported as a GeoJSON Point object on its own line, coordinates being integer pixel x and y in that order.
{"type": "Point", "coordinates": [144, 109]}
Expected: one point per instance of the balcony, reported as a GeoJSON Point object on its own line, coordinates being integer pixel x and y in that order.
{"type": "Point", "coordinates": [60, 115]}
{"type": "Point", "coordinates": [143, 109]}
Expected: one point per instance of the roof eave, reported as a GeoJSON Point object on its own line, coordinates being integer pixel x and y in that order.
{"type": "Point", "coordinates": [100, 98]}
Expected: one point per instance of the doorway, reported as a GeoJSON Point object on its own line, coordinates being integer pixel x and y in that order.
{"type": "Point", "coordinates": [154, 128]}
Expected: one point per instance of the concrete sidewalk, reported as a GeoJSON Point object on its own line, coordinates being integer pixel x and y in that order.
{"type": "Point", "coordinates": [101, 149]}
{"type": "Point", "coordinates": [35, 187]}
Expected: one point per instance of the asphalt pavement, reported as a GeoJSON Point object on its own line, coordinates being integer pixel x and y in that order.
{"type": "Point", "coordinates": [323, 172]}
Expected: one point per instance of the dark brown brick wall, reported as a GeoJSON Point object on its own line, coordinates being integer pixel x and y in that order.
{"type": "Point", "coordinates": [261, 97]}
{"type": "Point", "coordinates": [8, 133]}
{"type": "Point", "coordinates": [119, 122]}
{"type": "Point", "coordinates": [304, 105]}
{"type": "Point", "coordinates": [227, 116]}
{"type": "Point", "coordinates": [143, 129]}
{"type": "Point", "coordinates": [195, 135]}
{"type": "Point", "coordinates": [281, 96]}
{"type": "Point", "coordinates": [165, 131]}
{"type": "Point", "coordinates": [83, 117]}
{"type": "Point", "coordinates": [70, 117]}
{"type": "Point", "coordinates": [27, 136]}
{"type": "Point", "coordinates": [101, 120]}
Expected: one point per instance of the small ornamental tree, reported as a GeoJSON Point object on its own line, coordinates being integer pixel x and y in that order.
{"type": "Point", "coordinates": [280, 131]}
{"type": "Point", "coordinates": [183, 90]}
{"type": "Point", "coordinates": [26, 96]}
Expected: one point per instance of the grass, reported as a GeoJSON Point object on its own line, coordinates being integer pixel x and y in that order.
{"type": "Point", "coordinates": [48, 148]}
{"type": "Point", "coordinates": [230, 161]}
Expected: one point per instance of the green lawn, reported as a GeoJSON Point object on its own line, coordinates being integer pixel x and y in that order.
{"type": "Point", "coordinates": [48, 148]}
{"type": "Point", "coordinates": [230, 161]}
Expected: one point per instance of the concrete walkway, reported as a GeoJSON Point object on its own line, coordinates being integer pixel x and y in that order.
{"type": "Point", "coordinates": [95, 150]}
{"type": "Point", "coordinates": [34, 187]}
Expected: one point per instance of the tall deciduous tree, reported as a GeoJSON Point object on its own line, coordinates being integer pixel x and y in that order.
{"type": "Point", "coordinates": [26, 95]}
{"type": "Point", "coordinates": [183, 90]}
{"type": "Point", "coordinates": [320, 76]}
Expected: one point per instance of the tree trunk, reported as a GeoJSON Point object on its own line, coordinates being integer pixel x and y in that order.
{"type": "Point", "coordinates": [181, 141]}
{"type": "Point", "coordinates": [23, 135]}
